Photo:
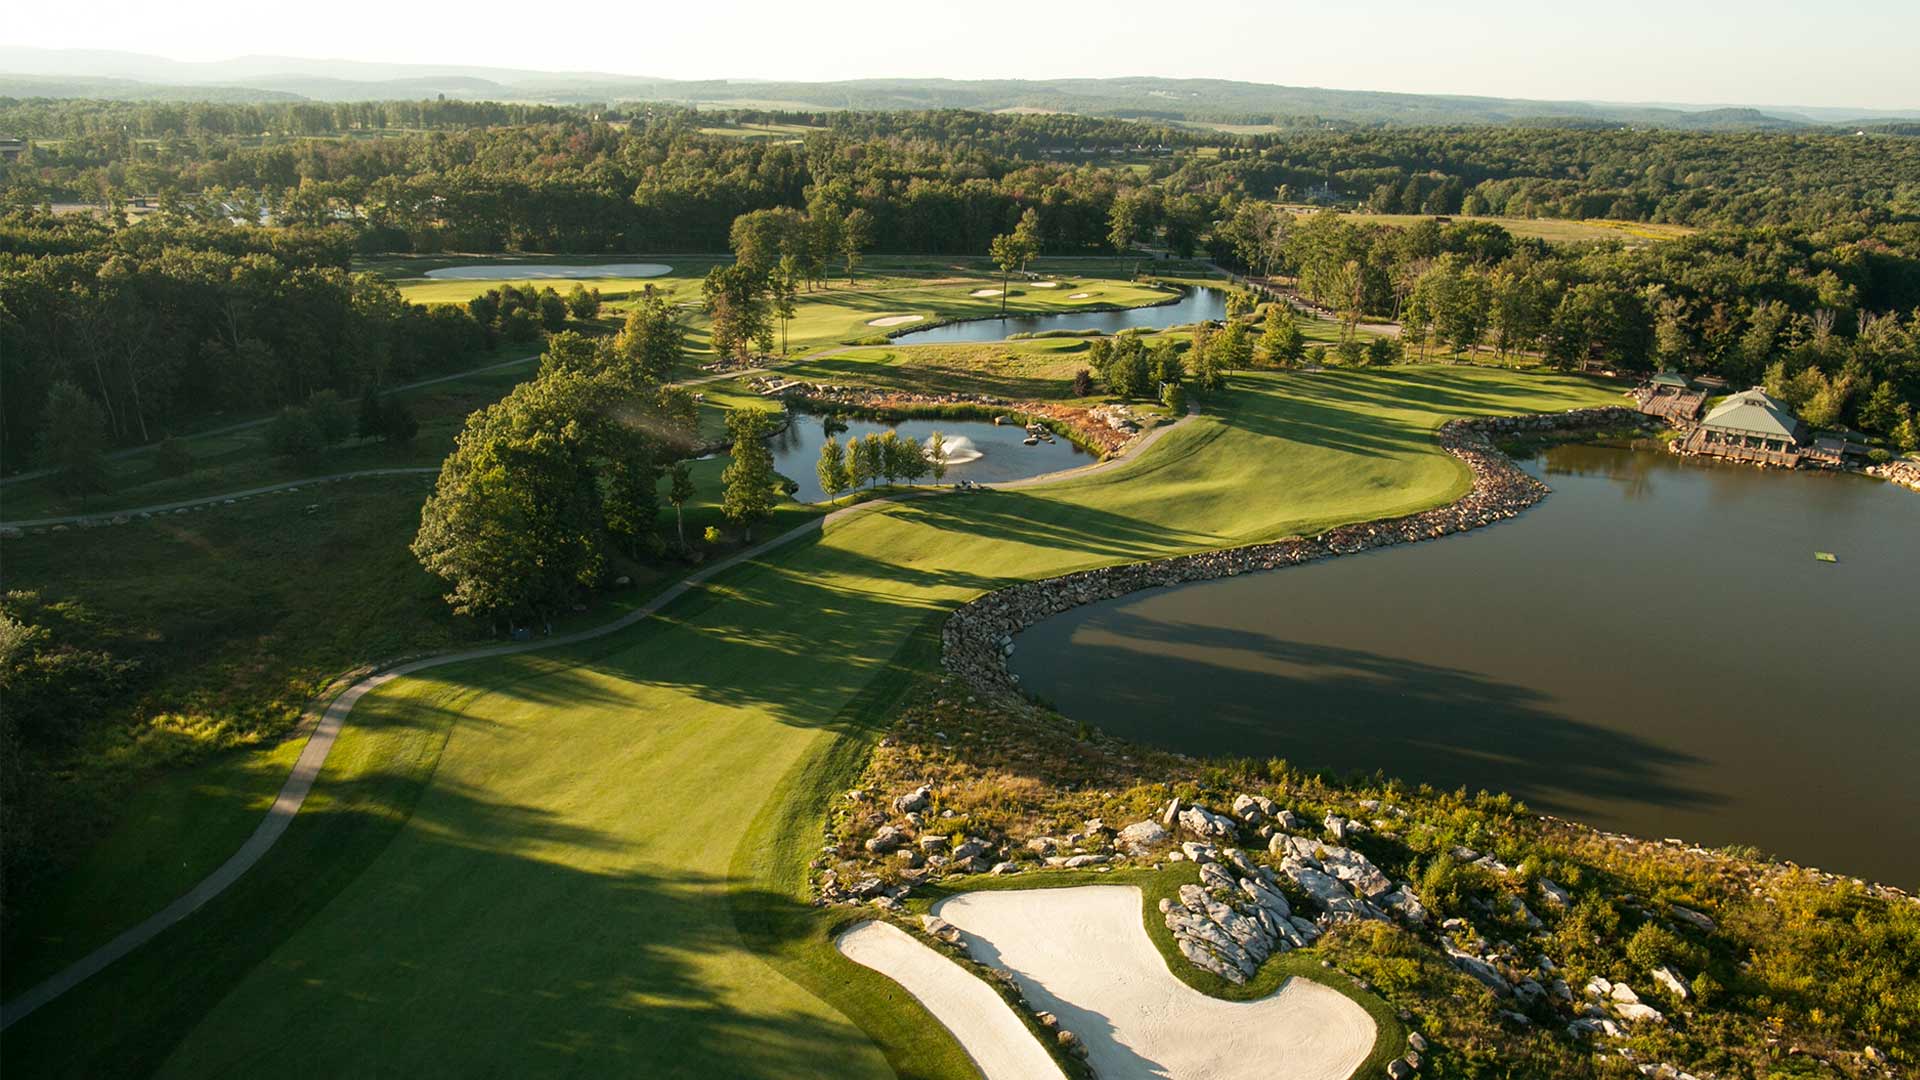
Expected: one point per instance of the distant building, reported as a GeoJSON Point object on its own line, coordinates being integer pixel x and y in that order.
{"type": "Point", "coordinates": [1750, 426]}
{"type": "Point", "coordinates": [11, 148]}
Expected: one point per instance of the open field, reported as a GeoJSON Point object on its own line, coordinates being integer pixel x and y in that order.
{"type": "Point", "coordinates": [1552, 230]}
{"type": "Point", "coordinates": [240, 459]}
{"type": "Point", "coordinates": [592, 832]}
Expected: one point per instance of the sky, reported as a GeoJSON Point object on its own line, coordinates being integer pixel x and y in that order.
{"type": "Point", "coordinates": [1859, 53]}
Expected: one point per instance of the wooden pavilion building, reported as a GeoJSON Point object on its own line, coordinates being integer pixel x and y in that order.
{"type": "Point", "coordinates": [1750, 426]}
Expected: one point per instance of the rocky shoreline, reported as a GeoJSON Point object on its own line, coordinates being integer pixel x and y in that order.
{"type": "Point", "coordinates": [979, 636]}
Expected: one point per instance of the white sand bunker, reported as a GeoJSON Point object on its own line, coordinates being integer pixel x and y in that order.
{"type": "Point", "coordinates": [1079, 296]}
{"type": "Point", "coordinates": [526, 271]}
{"type": "Point", "coordinates": [894, 320]}
{"type": "Point", "coordinates": [1043, 284]}
{"type": "Point", "coordinates": [984, 292]}
{"type": "Point", "coordinates": [984, 1024]}
{"type": "Point", "coordinates": [1083, 954]}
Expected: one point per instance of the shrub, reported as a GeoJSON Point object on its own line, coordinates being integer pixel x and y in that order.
{"type": "Point", "coordinates": [1082, 383]}
{"type": "Point", "coordinates": [1351, 353]}
{"type": "Point", "coordinates": [1879, 456]}
{"type": "Point", "coordinates": [1384, 350]}
{"type": "Point", "coordinates": [172, 458]}
{"type": "Point", "coordinates": [331, 416]}
{"type": "Point", "coordinates": [712, 535]}
{"type": "Point", "coordinates": [293, 434]}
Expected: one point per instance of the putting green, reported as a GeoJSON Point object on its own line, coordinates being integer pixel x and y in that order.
{"type": "Point", "coordinates": [558, 900]}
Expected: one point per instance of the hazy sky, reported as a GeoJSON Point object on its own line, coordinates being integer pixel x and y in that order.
{"type": "Point", "coordinates": [1814, 52]}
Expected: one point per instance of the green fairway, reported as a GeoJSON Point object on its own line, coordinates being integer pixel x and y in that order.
{"type": "Point", "coordinates": [1552, 230]}
{"type": "Point", "coordinates": [560, 894]}
{"type": "Point", "coordinates": [838, 313]}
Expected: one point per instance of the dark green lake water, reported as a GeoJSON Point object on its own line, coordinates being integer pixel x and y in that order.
{"type": "Point", "coordinates": [1652, 649]}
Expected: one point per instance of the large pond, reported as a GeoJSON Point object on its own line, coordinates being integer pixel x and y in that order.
{"type": "Point", "coordinates": [1652, 649]}
{"type": "Point", "coordinates": [539, 271]}
{"type": "Point", "coordinates": [1197, 304]}
{"type": "Point", "coordinates": [980, 451]}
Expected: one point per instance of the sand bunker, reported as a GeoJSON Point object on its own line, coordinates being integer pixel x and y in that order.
{"type": "Point", "coordinates": [984, 292]}
{"type": "Point", "coordinates": [1043, 284]}
{"type": "Point", "coordinates": [984, 1024]}
{"type": "Point", "coordinates": [1079, 296]}
{"type": "Point", "coordinates": [532, 271]}
{"type": "Point", "coordinates": [1083, 954]}
{"type": "Point", "coordinates": [894, 320]}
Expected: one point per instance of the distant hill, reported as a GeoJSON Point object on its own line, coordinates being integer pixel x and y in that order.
{"type": "Point", "coordinates": [133, 76]}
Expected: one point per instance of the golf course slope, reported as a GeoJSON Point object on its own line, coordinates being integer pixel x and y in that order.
{"type": "Point", "coordinates": [1083, 954]}
{"type": "Point", "coordinates": [553, 863]}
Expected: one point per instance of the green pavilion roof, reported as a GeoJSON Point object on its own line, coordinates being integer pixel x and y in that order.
{"type": "Point", "coordinates": [1754, 412]}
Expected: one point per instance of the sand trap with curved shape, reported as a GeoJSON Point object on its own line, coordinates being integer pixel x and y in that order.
{"type": "Point", "coordinates": [984, 1024]}
{"type": "Point", "coordinates": [1079, 296]}
{"type": "Point", "coordinates": [1043, 284]}
{"type": "Point", "coordinates": [533, 271]}
{"type": "Point", "coordinates": [984, 292]}
{"type": "Point", "coordinates": [894, 320]}
{"type": "Point", "coordinates": [1083, 954]}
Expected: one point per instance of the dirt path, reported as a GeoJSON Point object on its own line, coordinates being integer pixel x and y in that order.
{"type": "Point", "coordinates": [314, 755]}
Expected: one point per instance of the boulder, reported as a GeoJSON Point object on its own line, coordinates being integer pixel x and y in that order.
{"type": "Point", "coordinates": [918, 799]}
{"type": "Point", "coordinates": [1171, 814]}
{"type": "Point", "coordinates": [1398, 1069]}
{"type": "Point", "coordinates": [968, 850]}
{"type": "Point", "coordinates": [1076, 862]}
{"type": "Point", "coordinates": [1200, 853]}
{"type": "Point", "coordinates": [1006, 868]}
{"type": "Point", "coordinates": [1555, 895]}
{"type": "Point", "coordinates": [1043, 845]}
{"type": "Point", "coordinates": [1142, 834]}
{"type": "Point", "coordinates": [1486, 973]}
{"type": "Point", "coordinates": [933, 844]}
{"type": "Point", "coordinates": [1692, 918]}
{"type": "Point", "coordinates": [1635, 1011]}
{"type": "Point", "coordinates": [1672, 983]}
{"type": "Point", "coordinates": [1336, 825]}
{"type": "Point", "coordinates": [885, 839]}
{"type": "Point", "coordinates": [1206, 824]}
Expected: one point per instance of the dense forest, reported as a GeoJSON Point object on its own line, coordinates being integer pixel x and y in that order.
{"type": "Point", "coordinates": [1806, 277]}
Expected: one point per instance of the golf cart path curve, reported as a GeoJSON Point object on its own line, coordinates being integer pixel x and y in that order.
{"type": "Point", "coordinates": [306, 769]}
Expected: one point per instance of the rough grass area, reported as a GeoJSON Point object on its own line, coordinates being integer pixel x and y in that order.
{"type": "Point", "coordinates": [239, 616]}
{"type": "Point", "coordinates": [559, 894]}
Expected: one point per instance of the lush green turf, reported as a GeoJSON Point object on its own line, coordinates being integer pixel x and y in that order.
{"type": "Point", "coordinates": [237, 460]}
{"type": "Point", "coordinates": [559, 896]}
{"type": "Point", "coordinates": [1554, 230]}
{"type": "Point", "coordinates": [241, 614]}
